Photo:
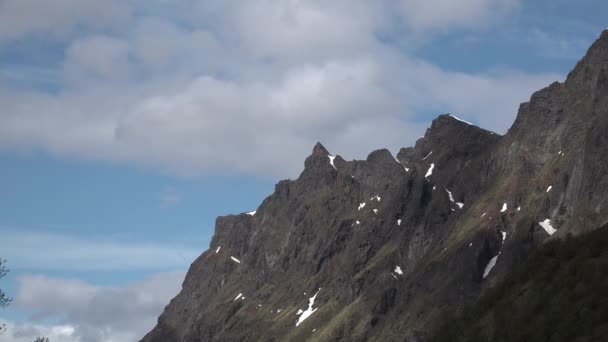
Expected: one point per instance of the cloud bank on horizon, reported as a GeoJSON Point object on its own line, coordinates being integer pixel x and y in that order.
{"type": "Point", "coordinates": [83, 312]}
{"type": "Point", "coordinates": [203, 87]}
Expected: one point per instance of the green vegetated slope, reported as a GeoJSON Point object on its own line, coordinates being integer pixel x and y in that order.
{"type": "Point", "coordinates": [559, 294]}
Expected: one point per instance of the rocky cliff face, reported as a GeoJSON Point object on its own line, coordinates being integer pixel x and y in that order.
{"type": "Point", "coordinates": [386, 249]}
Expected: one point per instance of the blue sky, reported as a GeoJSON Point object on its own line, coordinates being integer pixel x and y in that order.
{"type": "Point", "coordinates": [127, 127]}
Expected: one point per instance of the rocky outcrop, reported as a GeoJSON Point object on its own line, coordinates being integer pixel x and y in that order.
{"type": "Point", "coordinates": [386, 249]}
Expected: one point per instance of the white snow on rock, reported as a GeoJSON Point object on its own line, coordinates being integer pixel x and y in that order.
{"type": "Point", "coordinates": [398, 270]}
{"type": "Point", "coordinates": [471, 244]}
{"type": "Point", "coordinates": [235, 260]}
{"type": "Point", "coordinates": [218, 249]}
{"type": "Point", "coordinates": [375, 211]}
{"type": "Point", "coordinates": [549, 188]}
{"type": "Point", "coordinates": [239, 296]}
{"type": "Point", "coordinates": [406, 169]}
{"type": "Point", "coordinates": [299, 312]}
{"type": "Point", "coordinates": [459, 204]}
{"type": "Point", "coordinates": [331, 161]}
{"type": "Point", "coordinates": [459, 119]}
{"type": "Point", "coordinates": [484, 214]}
{"type": "Point", "coordinates": [504, 208]}
{"type": "Point", "coordinates": [358, 223]}
{"type": "Point", "coordinates": [428, 155]}
{"type": "Point", "coordinates": [518, 208]}
{"type": "Point", "coordinates": [434, 187]}
{"type": "Point", "coordinates": [546, 224]}
{"type": "Point", "coordinates": [361, 206]}
{"type": "Point", "coordinates": [490, 265]}
{"type": "Point", "coordinates": [399, 222]}
{"type": "Point", "coordinates": [492, 261]}
{"type": "Point", "coordinates": [450, 194]}
{"type": "Point", "coordinates": [430, 171]}
{"type": "Point", "coordinates": [251, 213]}
{"type": "Point", "coordinates": [377, 198]}
{"type": "Point", "coordinates": [305, 314]}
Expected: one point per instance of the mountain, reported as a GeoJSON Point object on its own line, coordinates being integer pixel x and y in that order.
{"type": "Point", "coordinates": [390, 249]}
{"type": "Point", "coordinates": [557, 294]}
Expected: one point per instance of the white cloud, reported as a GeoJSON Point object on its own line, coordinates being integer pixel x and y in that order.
{"type": "Point", "coordinates": [89, 313]}
{"type": "Point", "coordinates": [205, 87]}
{"type": "Point", "coordinates": [97, 57]}
{"type": "Point", "coordinates": [70, 253]}
{"type": "Point", "coordinates": [27, 332]}
{"type": "Point", "coordinates": [59, 18]}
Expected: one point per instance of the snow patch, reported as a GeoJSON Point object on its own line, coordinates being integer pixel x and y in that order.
{"type": "Point", "coordinates": [459, 119]}
{"type": "Point", "coordinates": [305, 314]}
{"type": "Point", "coordinates": [237, 297]}
{"type": "Point", "coordinates": [218, 249]}
{"type": "Point", "coordinates": [490, 265]}
{"type": "Point", "coordinates": [235, 260]}
{"type": "Point", "coordinates": [375, 211]}
{"type": "Point", "coordinates": [460, 204]}
{"type": "Point", "coordinates": [484, 214]}
{"type": "Point", "coordinates": [504, 208]}
{"type": "Point", "coordinates": [549, 188]}
{"type": "Point", "coordinates": [546, 224]}
{"type": "Point", "coordinates": [331, 161]}
{"type": "Point", "coordinates": [428, 155]}
{"type": "Point", "coordinates": [518, 208]}
{"type": "Point", "coordinates": [399, 222]}
{"type": "Point", "coordinates": [471, 244]}
{"type": "Point", "coordinates": [430, 171]}
{"type": "Point", "coordinates": [251, 213]}
{"type": "Point", "coordinates": [361, 206]}
{"type": "Point", "coordinates": [450, 194]}
{"type": "Point", "coordinates": [377, 198]}
{"type": "Point", "coordinates": [398, 270]}
{"type": "Point", "coordinates": [492, 261]}
{"type": "Point", "coordinates": [358, 223]}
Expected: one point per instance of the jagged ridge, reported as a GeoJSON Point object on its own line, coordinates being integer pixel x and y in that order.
{"type": "Point", "coordinates": [343, 227]}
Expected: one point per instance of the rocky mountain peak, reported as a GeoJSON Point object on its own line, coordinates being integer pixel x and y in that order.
{"type": "Point", "coordinates": [593, 67]}
{"type": "Point", "coordinates": [386, 250]}
{"type": "Point", "coordinates": [319, 159]}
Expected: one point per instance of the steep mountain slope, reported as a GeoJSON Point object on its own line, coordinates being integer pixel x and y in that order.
{"type": "Point", "coordinates": [387, 249]}
{"type": "Point", "coordinates": [557, 294]}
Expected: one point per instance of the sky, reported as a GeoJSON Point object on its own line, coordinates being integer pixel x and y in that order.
{"type": "Point", "coordinates": [128, 126]}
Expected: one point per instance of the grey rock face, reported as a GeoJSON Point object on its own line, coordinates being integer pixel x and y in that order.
{"type": "Point", "coordinates": [392, 247]}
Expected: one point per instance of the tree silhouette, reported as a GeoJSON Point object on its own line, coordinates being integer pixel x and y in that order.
{"type": "Point", "coordinates": [4, 299]}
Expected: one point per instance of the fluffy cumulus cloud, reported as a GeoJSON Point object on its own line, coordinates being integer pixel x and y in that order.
{"type": "Point", "coordinates": [198, 87]}
{"type": "Point", "coordinates": [82, 312]}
